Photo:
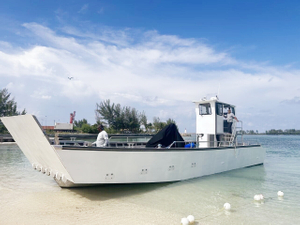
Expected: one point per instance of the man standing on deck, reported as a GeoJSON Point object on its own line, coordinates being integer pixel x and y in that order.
{"type": "Point", "coordinates": [230, 117]}
{"type": "Point", "coordinates": [102, 138]}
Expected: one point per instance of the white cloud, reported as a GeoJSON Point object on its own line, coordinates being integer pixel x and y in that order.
{"type": "Point", "coordinates": [161, 74]}
{"type": "Point", "coordinates": [101, 10]}
{"type": "Point", "coordinates": [84, 9]}
{"type": "Point", "coordinates": [295, 100]}
{"type": "Point", "coordinates": [4, 44]}
{"type": "Point", "coordinates": [46, 97]}
{"type": "Point", "coordinates": [40, 94]}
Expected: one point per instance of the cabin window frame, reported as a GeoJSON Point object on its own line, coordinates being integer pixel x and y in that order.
{"type": "Point", "coordinates": [207, 107]}
{"type": "Point", "coordinates": [219, 107]}
{"type": "Point", "coordinates": [228, 107]}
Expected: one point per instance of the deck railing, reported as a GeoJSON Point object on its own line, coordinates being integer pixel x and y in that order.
{"type": "Point", "coordinates": [209, 144]}
{"type": "Point", "coordinates": [182, 144]}
{"type": "Point", "coordinates": [133, 138]}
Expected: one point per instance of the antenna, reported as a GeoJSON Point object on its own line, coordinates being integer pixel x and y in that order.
{"type": "Point", "coordinates": [218, 91]}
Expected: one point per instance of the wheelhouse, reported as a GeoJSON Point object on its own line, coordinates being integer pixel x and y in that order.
{"type": "Point", "coordinates": [212, 129]}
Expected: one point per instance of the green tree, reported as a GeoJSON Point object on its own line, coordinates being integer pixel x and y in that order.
{"type": "Point", "coordinates": [118, 118]}
{"type": "Point", "coordinates": [157, 124]}
{"type": "Point", "coordinates": [144, 122]}
{"type": "Point", "coordinates": [132, 119]}
{"type": "Point", "coordinates": [80, 123]}
{"type": "Point", "coordinates": [169, 121]}
{"type": "Point", "coordinates": [8, 107]}
{"type": "Point", "coordinates": [107, 113]}
{"type": "Point", "coordinates": [85, 127]}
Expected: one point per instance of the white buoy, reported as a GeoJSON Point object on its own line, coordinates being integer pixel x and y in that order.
{"type": "Point", "coordinates": [184, 221]}
{"type": "Point", "coordinates": [257, 197]}
{"type": "Point", "coordinates": [191, 219]}
{"type": "Point", "coordinates": [280, 194]}
{"type": "Point", "coordinates": [261, 197]}
{"type": "Point", "coordinates": [227, 206]}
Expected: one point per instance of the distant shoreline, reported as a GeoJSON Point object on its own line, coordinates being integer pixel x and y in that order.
{"type": "Point", "coordinates": [7, 138]}
{"type": "Point", "coordinates": [8, 143]}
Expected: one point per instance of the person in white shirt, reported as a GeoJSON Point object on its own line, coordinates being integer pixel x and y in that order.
{"type": "Point", "coordinates": [102, 138]}
{"type": "Point", "coordinates": [230, 117]}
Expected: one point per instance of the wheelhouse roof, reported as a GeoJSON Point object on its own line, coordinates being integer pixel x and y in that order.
{"type": "Point", "coordinates": [213, 100]}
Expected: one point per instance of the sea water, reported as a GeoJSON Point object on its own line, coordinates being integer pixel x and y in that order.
{"type": "Point", "coordinates": [30, 197]}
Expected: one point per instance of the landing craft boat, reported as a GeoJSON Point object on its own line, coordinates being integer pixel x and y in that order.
{"type": "Point", "coordinates": [164, 158]}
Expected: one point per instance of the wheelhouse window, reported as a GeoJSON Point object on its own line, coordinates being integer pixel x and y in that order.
{"type": "Point", "coordinates": [233, 111]}
{"type": "Point", "coordinates": [226, 107]}
{"type": "Point", "coordinates": [205, 109]}
{"type": "Point", "coordinates": [219, 109]}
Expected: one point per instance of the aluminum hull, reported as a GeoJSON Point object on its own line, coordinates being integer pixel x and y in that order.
{"type": "Point", "coordinates": [113, 166]}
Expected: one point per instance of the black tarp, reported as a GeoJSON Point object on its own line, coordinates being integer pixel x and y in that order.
{"type": "Point", "coordinates": [166, 136]}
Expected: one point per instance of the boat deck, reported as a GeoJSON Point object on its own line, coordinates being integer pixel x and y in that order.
{"type": "Point", "coordinates": [143, 148]}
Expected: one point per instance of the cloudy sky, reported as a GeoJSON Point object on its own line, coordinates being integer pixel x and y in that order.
{"type": "Point", "coordinates": [155, 56]}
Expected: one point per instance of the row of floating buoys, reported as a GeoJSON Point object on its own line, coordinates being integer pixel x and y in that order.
{"type": "Point", "coordinates": [191, 219]}
{"type": "Point", "coordinates": [188, 220]}
{"type": "Point", "coordinates": [261, 197]}
{"type": "Point", "coordinates": [50, 172]}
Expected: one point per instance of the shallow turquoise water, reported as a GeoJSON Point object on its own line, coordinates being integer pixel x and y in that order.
{"type": "Point", "coordinates": [38, 200]}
